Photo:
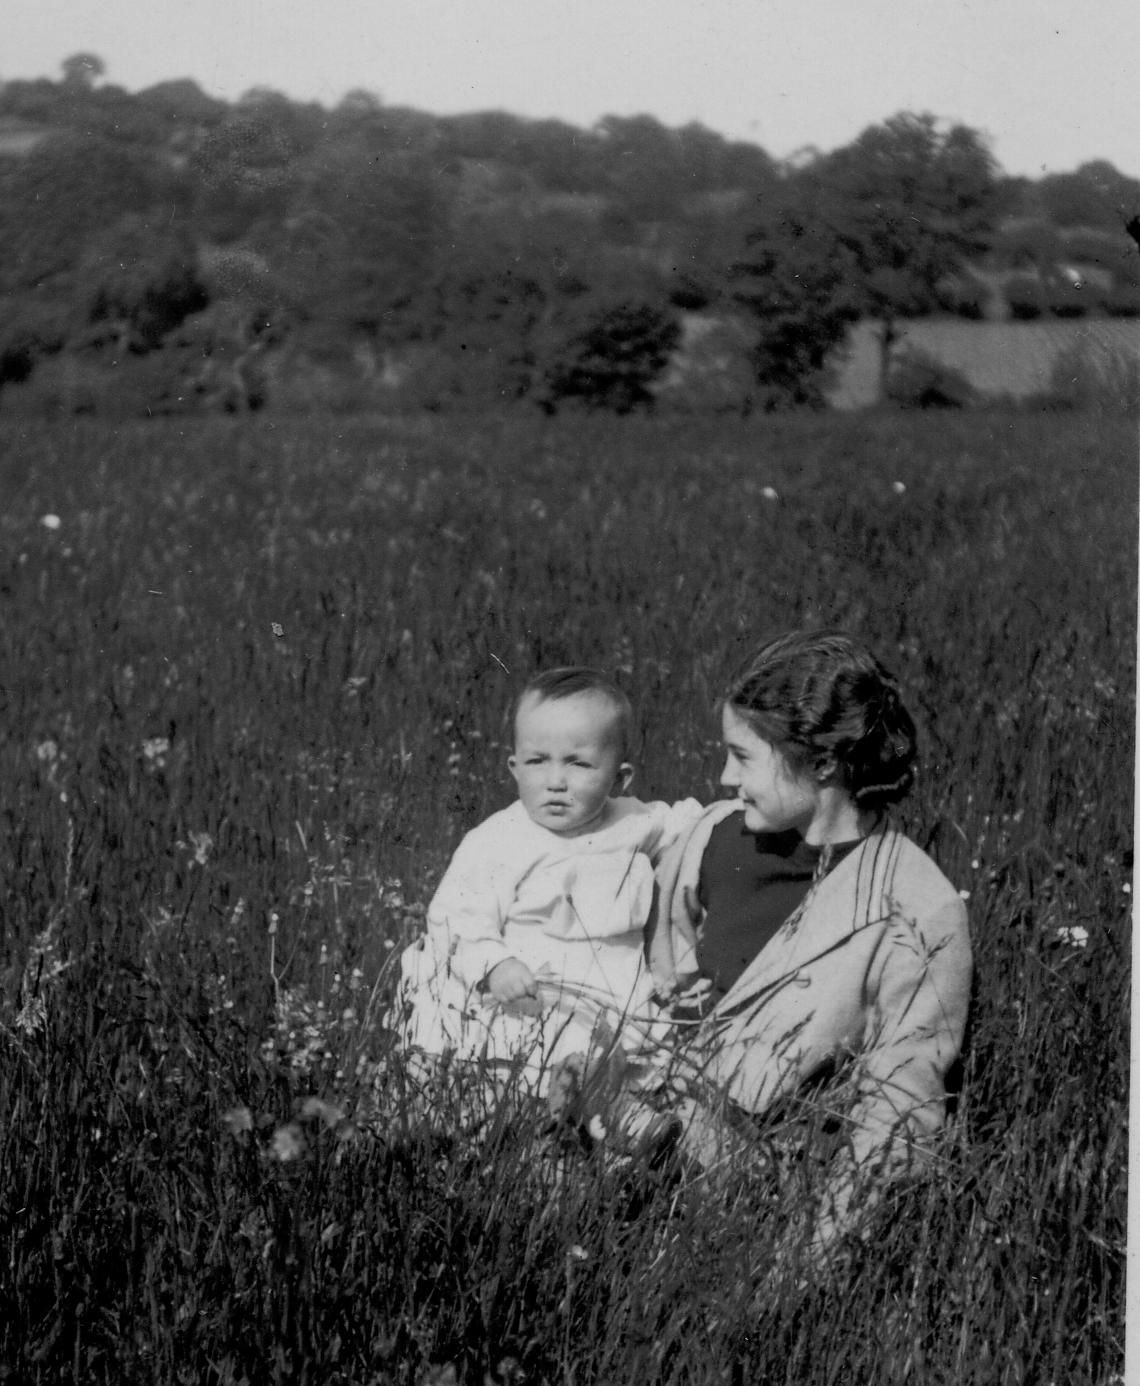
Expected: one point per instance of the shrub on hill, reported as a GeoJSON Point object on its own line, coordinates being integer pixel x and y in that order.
{"type": "Point", "coordinates": [918, 380]}
{"type": "Point", "coordinates": [150, 288]}
{"type": "Point", "coordinates": [1025, 295]}
{"type": "Point", "coordinates": [1123, 301]}
{"type": "Point", "coordinates": [55, 202]}
{"type": "Point", "coordinates": [614, 360]}
{"type": "Point", "coordinates": [963, 296]}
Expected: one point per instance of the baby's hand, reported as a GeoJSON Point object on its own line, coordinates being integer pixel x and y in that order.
{"type": "Point", "coordinates": [511, 980]}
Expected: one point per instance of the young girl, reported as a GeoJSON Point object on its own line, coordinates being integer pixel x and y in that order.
{"type": "Point", "coordinates": [535, 937]}
{"type": "Point", "coordinates": [823, 944]}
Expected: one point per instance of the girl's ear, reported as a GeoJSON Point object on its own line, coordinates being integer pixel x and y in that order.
{"type": "Point", "coordinates": [623, 779]}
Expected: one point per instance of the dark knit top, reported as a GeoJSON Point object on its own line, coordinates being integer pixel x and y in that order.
{"type": "Point", "coordinates": [749, 884]}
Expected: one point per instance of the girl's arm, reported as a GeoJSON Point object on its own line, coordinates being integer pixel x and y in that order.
{"type": "Point", "coordinates": [918, 995]}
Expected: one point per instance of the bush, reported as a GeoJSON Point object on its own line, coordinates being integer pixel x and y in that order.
{"type": "Point", "coordinates": [1122, 301]}
{"type": "Point", "coordinates": [29, 335]}
{"type": "Point", "coordinates": [1025, 295]}
{"type": "Point", "coordinates": [918, 380]}
{"type": "Point", "coordinates": [965, 298]}
{"type": "Point", "coordinates": [151, 296]}
{"type": "Point", "coordinates": [614, 361]}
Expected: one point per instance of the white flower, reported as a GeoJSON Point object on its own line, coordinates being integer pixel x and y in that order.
{"type": "Point", "coordinates": [201, 843]}
{"type": "Point", "coordinates": [314, 1109]}
{"type": "Point", "coordinates": [1075, 935]}
{"type": "Point", "coordinates": [898, 487]}
{"type": "Point", "coordinates": [770, 493]}
{"type": "Point", "coordinates": [47, 752]}
{"type": "Point", "coordinates": [288, 1142]}
{"type": "Point", "coordinates": [578, 1253]}
{"type": "Point", "coordinates": [237, 1119]}
{"type": "Point", "coordinates": [50, 521]}
{"type": "Point", "coordinates": [32, 1016]}
{"type": "Point", "coordinates": [154, 748]}
{"type": "Point", "coordinates": [597, 1128]}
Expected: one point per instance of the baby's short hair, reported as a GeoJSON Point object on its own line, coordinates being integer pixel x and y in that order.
{"type": "Point", "coordinates": [567, 682]}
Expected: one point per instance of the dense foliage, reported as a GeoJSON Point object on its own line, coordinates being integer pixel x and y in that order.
{"type": "Point", "coordinates": [167, 253]}
{"type": "Point", "coordinates": [256, 679]}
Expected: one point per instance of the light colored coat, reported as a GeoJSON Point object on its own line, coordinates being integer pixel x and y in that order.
{"type": "Point", "coordinates": [869, 977]}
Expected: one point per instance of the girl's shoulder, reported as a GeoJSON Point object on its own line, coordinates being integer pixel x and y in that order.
{"type": "Point", "coordinates": [909, 876]}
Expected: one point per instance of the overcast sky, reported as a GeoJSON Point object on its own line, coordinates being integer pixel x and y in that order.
{"type": "Point", "coordinates": [1054, 83]}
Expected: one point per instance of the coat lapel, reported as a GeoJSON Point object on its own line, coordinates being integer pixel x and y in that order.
{"type": "Point", "coordinates": [852, 896]}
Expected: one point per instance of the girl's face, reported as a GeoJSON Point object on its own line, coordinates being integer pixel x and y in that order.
{"type": "Point", "coordinates": [775, 797]}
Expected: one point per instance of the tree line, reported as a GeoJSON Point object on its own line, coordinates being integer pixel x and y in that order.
{"type": "Point", "coordinates": [167, 252]}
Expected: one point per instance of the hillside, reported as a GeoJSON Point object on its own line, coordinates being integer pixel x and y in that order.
{"type": "Point", "coordinates": [165, 252]}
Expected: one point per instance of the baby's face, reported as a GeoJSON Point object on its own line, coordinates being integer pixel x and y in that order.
{"type": "Point", "coordinates": [567, 760]}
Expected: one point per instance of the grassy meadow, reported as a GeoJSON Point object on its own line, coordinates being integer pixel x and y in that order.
{"type": "Point", "coordinates": [255, 679]}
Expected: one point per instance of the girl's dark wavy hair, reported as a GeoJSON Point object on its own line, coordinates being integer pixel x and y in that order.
{"type": "Point", "coordinates": [828, 705]}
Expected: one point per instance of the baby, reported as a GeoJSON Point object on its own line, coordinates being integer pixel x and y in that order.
{"type": "Point", "coordinates": [536, 932]}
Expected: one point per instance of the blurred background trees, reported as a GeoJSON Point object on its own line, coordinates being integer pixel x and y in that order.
{"type": "Point", "coordinates": [371, 256]}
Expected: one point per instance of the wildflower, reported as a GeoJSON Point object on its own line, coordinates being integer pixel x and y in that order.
{"type": "Point", "coordinates": [770, 493]}
{"type": "Point", "coordinates": [277, 628]}
{"type": "Point", "coordinates": [1075, 935]}
{"type": "Point", "coordinates": [314, 1109]}
{"type": "Point", "coordinates": [201, 843]}
{"type": "Point", "coordinates": [47, 752]}
{"type": "Point", "coordinates": [237, 1120]}
{"type": "Point", "coordinates": [578, 1253]}
{"type": "Point", "coordinates": [50, 521]}
{"type": "Point", "coordinates": [288, 1143]}
{"type": "Point", "coordinates": [155, 749]}
{"type": "Point", "coordinates": [597, 1128]}
{"type": "Point", "coordinates": [898, 487]}
{"type": "Point", "coordinates": [32, 1016]}
{"type": "Point", "coordinates": [963, 894]}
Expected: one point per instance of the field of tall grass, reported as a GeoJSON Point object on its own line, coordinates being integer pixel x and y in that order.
{"type": "Point", "coordinates": [255, 679]}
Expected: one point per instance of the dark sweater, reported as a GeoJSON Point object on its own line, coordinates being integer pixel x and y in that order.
{"type": "Point", "coordinates": [750, 883]}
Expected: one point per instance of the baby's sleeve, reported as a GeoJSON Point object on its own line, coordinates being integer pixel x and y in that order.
{"type": "Point", "coordinates": [468, 911]}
